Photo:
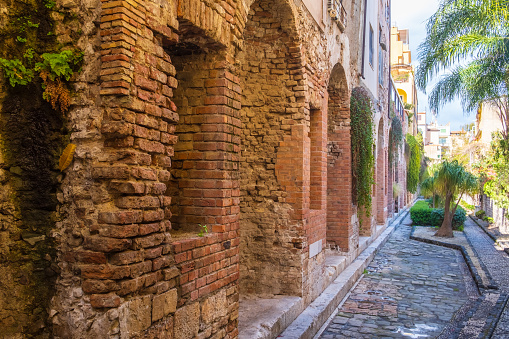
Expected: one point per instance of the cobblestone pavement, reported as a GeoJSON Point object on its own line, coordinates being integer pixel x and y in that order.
{"type": "Point", "coordinates": [411, 290]}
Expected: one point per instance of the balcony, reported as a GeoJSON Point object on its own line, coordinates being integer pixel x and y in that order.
{"type": "Point", "coordinates": [337, 12]}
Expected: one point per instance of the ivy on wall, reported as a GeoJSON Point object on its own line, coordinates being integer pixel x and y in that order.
{"type": "Point", "coordinates": [414, 163]}
{"type": "Point", "coordinates": [395, 137]}
{"type": "Point", "coordinates": [363, 160]}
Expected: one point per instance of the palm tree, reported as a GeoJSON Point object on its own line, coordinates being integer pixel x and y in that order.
{"type": "Point", "coordinates": [470, 39]}
{"type": "Point", "coordinates": [429, 187]}
{"type": "Point", "coordinates": [452, 181]}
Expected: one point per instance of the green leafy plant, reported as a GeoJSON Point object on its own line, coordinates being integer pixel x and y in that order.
{"type": "Point", "coordinates": [395, 137]}
{"type": "Point", "coordinates": [480, 214]}
{"type": "Point", "coordinates": [488, 219]}
{"type": "Point", "coordinates": [49, 4]}
{"type": "Point", "coordinates": [60, 65]}
{"type": "Point", "coordinates": [53, 69]}
{"type": "Point", "coordinates": [16, 72]}
{"type": "Point", "coordinates": [203, 230]}
{"type": "Point", "coordinates": [466, 205]}
{"type": "Point", "coordinates": [363, 161]}
{"type": "Point", "coordinates": [414, 163]}
{"type": "Point", "coordinates": [408, 106]}
{"type": "Point", "coordinates": [453, 181]}
{"type": "Point", "coordinates": [423, 215]}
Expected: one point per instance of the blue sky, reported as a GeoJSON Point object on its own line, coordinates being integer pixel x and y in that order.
{"type": "Point", "coordinates": [413, 14]}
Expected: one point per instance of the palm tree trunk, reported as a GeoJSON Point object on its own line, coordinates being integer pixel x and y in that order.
{"type": "Point", "coordinates": [446, 229]}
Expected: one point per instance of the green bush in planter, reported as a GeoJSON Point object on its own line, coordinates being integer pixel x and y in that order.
{"type": "Point", "coordinates": [437, 217]}
{"type": "Point", "coordinates": [422, 215]}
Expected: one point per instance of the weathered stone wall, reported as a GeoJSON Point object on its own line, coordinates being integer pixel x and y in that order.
{"type": "Point", "coordinates": [32, 137]}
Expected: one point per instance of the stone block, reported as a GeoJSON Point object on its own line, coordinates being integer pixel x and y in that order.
{"type": "Point", "coordinates": [135, 316]}
{"type": "Point", "coordinates": [214, 307]}
{"type": "Point", "coordinates": [164, 304]}
{"type": "Point", "coordinates": [187, 321]}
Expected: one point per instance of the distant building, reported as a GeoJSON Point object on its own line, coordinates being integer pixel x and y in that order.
{"type": "Point", "coordinates": [436, 138]}
{"type": "Point", "coordinates": [403, 74]}
{"type": "Point", "coordinates": [487, 122]}
{"type": "Point", "coordinates": [458, 139]}
{"type": "Point", "coordinates": [422, 127]}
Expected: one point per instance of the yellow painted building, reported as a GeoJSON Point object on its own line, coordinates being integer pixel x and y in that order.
{"type": "Point", "coordinates": [402, 72]}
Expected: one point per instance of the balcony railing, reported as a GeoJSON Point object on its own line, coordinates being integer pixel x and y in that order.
{"type": "Point", "coordinates": [337, 12]}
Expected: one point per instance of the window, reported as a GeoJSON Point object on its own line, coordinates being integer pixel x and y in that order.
{"type": "Point", "coordinates": [419, 117]}
{"type": "Point", "coordinates": [443, 130]}
{"type": "Point", "coordinates": [371, 45]}
{"type": "Point", "coordinates": [442, 141]}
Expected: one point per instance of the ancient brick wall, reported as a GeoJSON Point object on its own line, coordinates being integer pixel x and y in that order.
{"type": "Point", "coordinates": [136, 278]}
{"type": "Point", "coordinates": [341, 231]}
{"type": "Point", "coordinates": [269, 72]}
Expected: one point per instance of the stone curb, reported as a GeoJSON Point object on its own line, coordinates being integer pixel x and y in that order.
{"type": "Point", "coordinates": [488, 233]}
{"type": "Point", "coordinates": [471, 267]}
{"type": "Point", "coordinates": [309, 322]}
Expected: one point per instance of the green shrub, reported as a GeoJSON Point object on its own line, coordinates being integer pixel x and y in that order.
{"type": "Point", "coordinates": [422, 215]}
{"type": "Point", "coordinates": [480, 214]}
{"type": "Point", "coordinates": [488, 219]}
{"type": "Point", "coordinates": [465, 204]}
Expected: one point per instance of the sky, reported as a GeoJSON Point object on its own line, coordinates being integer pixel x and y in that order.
{"type": "Point", "coordinates": [413, 15]}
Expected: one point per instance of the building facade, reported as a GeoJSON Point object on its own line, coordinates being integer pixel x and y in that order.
{"type": "Point", "coordinates": [212, 163]}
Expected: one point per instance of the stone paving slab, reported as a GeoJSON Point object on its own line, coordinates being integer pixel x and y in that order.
{"type": "Point", "coordinates": [411, 289]}
{"type": "Point", "coordinates": [480, 273]}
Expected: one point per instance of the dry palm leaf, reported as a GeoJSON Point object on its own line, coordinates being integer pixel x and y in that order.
{"type": "Point", "coordinates": [66, 157]}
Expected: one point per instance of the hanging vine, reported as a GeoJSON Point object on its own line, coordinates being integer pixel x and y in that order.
{"type": "Point", "coordinates": [363, 161]}
{"type": "Point", "coordinates": [395, 137]}
{"type": "Point", "coordinates": [414, 163]}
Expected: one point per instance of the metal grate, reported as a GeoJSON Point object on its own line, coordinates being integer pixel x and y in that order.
{"type": "Point", "coordinates": [337, 12]}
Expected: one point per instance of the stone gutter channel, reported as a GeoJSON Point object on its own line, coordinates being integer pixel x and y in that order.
{"type": "Point", "coordinates": [478, 318]}
{"type": "Point", "coordinates": [311, 320]}
{"type": "Point", "coordinates": [488, 233]}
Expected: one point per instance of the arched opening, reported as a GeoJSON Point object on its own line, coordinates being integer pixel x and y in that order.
{"type": "Point", "coordinates": [380, 175]}
{"type": "Point", "coordinates": [202, 187]}
{"type": "Point", "coordinates": [270, 262]}
{"type": "Point", "coordinates": [403, 95]}
{"type": "Point", "coordinates": [340, 229]}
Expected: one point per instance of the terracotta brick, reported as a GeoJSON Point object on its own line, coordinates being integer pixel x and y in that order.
{"type": "Point", "coordinates": [109, 300]}
{"type": "Point", "coordinates": [103, 244]}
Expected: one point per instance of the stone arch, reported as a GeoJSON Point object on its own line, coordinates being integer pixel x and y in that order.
{"type": "Point", "coordinates": [380, 175]}
{"type": "Point", "coordinates": [340, 230]}
{"type": "Point", "coordinates": [271, 78]}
